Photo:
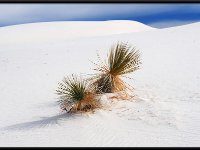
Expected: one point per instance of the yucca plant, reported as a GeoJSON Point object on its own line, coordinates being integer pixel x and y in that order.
{"type": "Point", "coordinates": [76, 95]}
{"type": "Point", "coordinates": [122, 60]}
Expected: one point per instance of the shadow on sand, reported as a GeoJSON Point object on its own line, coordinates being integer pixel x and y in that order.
{"type": "Point", "coordinates": [44, 122]}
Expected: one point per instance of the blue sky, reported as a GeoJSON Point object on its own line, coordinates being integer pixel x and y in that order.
{"type": "Point", "coordinates": [156, 15]}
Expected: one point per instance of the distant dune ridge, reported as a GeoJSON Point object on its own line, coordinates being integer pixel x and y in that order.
{"type": "Point", "coordinates": [68, 30]}
{"type": "Point", "coordinates": [35, 57]}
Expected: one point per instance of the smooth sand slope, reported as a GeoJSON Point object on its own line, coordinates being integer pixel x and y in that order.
{"type": "Point", "coordinates": [36, 32]}
{"type": "Point", "coordinates": [35, 57]}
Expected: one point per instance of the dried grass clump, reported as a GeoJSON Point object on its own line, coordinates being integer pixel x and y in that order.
{"type": "Point", "coordinates": [76, 95]}
{"type": "Point", "coordinates": [122, 59]}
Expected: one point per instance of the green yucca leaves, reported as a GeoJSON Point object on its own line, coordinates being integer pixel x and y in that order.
{"type": "Point", "coordinates": [122, 59]}
{"type": "Point", "coordinates": [76, 94]}
{"type": "Point", "coordinates": [71, 90]}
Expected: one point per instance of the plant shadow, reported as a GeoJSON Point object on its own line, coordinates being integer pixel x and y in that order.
{"type": "Point", "coordinates": [44, 122]}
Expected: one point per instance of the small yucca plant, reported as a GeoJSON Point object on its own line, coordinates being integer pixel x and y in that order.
{"type": "Point", "coordinates": [122, 59]}
{"type": "Point", "coordinates": [76, 95]}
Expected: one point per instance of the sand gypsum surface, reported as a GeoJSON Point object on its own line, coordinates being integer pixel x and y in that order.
{"type": "Point", "coordinates": [35, 57]}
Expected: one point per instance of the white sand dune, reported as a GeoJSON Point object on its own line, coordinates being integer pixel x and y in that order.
{"type": "Point", "coordinates": [35, 57]}
{"type": "Point", "coordinates": [35, 32]}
